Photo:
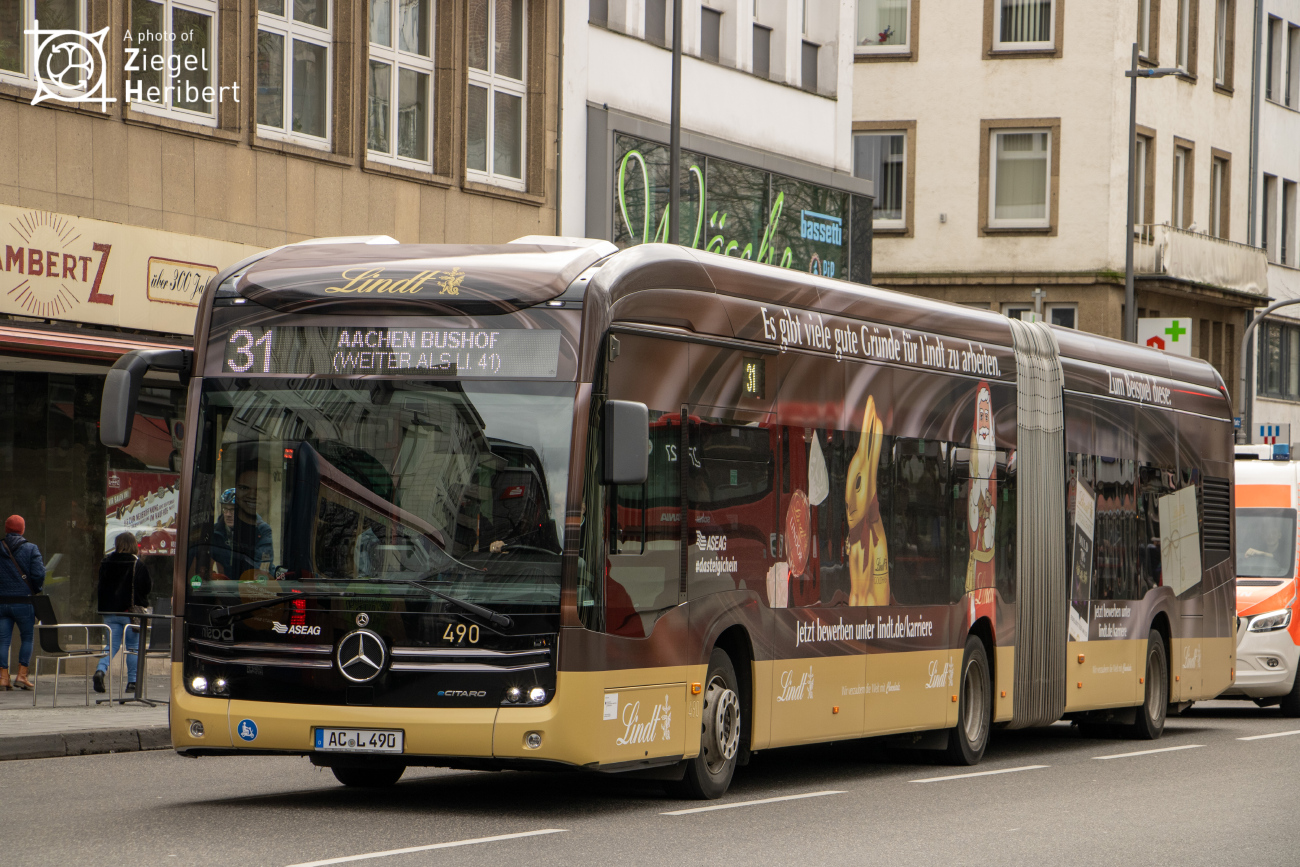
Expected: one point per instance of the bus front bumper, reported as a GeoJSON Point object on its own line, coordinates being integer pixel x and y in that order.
{"type": "Point", "coordinates": [433, 736]}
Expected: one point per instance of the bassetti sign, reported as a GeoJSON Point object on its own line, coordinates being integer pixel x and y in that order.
{"type": "Point", "coordinates": [56, 266]}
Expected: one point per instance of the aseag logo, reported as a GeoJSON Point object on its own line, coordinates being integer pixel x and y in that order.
{"type": "Point", "coordinates": [69, 66]}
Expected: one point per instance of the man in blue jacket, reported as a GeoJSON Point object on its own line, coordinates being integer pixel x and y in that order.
{"type": "Point", "coordinates": [22, 573]}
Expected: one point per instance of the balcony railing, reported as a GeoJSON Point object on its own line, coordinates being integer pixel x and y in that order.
{"type": "Point", "coordinates": [1165, 251]}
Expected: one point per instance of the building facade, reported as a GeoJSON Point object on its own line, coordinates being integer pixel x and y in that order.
{"type": "Point", "coordinates": [206, 132]}
{"type": "Point", "coordinates": [1277, 342]}
{"type": "Point", "coordinates": [997, 135]}
{"type": "Point", "coordinates": [765, 116]}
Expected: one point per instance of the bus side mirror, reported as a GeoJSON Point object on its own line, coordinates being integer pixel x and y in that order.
{"type": "Point", "coordinates": [627, 442]}
{"type": "Point", "coordinates": [122, 389]}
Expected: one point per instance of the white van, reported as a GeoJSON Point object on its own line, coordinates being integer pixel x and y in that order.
{"type": "Point", "coordinates": [1268, 636]}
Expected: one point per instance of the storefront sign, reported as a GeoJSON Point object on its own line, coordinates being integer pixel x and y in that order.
{"type": "Point", "coordinates": [145, 504]}
{"type": "Point", "coordinates": [735, 210]}
{"type": "Point", "coordinates": [1169, 335]}
{"type": "Point", "coordinates": [55, 266]}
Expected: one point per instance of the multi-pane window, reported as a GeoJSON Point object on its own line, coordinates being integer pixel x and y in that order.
{"type": "Point", "coordinates": [1064, 315]}
{"type": "Point", "coordinates": [16, 47]}
{"type": "Point", "coordinates": [176, 60]}
{"type": "Point", "coordinates": [1183, 54]}
{"type": "Point", "coordinates": [883, 26]}
{"type": "Point", "coordinates": [1024, 24]}
{"type": "Point", "coordinates": [1182, 200]}
{"type": "Point", "coordinates": [881, 158]}
{"type": "Point", "coordinates": [494, 147]}
{"type": "Point", "coordinates": [1144, 31]}
{"type": "Point", "coordinates": [1020, 178]}
{"type": "Point", "coordinates": [293, 69]}
{"type": "Point", "coordinates": [1219, 197]}
{"type": "Point", "coordinates": [400, 80]}
{"type": "Point", "coordinates": [1278, 373]}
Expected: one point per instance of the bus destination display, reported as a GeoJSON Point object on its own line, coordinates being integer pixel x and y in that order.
{"type": "Point", "coordinates": [462, 352]}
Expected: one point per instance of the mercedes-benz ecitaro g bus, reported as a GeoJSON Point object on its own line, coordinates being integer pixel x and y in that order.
{"type": "Point", "coordinates": [551, 505]}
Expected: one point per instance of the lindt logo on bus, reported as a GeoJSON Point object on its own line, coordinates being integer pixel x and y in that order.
{"type": "Point", "coordinates": [658, 727]}
{"type": "Point", "coordinates": [371, 280]}
{"type": "Point", "coordinates": [791, 691]}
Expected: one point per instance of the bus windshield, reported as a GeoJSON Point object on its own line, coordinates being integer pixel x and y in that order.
{"type": "Point", "coordinates": [1265, 543]}
{"type": "Point", "coordinates": [365, 485]}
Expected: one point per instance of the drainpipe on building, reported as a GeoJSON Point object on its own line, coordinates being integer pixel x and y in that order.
{"type": "Point", "coordinates": [559, 135]}
{"type": "Point", "coordinates": [1254, 122]}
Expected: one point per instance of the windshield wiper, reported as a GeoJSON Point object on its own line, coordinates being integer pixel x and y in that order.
{"type": "Point", "coordinates": [496, 618]}
{"type": "Point", "coordinates": [230, 613]}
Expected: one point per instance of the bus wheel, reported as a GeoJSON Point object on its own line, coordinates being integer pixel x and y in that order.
{"type": "Point", "coordinates": [1150, 722]}
{"type": "Point", "coordinates": [967, 741]}
{"type": "Point", "coordinates": [369, 778]}
{"type": "Point", "coordinates": [709, 774]}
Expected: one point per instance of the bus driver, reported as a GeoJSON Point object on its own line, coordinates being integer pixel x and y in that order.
{"type": "Point", "coordinates": [241, 540]}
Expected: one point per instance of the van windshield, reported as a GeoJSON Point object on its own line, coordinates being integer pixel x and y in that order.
{"type": "Point", "coordinates": [1265, 543]}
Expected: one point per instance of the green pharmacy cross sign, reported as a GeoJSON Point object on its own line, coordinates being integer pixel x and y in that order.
{"type": "Point", "coordinates": [738, 210]}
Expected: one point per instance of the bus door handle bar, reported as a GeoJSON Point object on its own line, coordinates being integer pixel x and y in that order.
{"type": "Point", "coordinates": [122, 389]}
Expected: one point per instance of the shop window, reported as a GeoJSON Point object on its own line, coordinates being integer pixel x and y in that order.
{"type": "Point", "coordinates": [496, 116]}
{"type": "Point", "coordinates": [294, 88]}
{"type": "Point", "coordinates": [399, 117]}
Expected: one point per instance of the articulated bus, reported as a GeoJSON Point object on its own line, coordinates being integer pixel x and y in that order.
{"type": "Point", "coordinates": [553, 505]}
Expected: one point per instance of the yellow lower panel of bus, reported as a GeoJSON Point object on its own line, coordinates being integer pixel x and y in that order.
{"type": "Point", "coordinates": [1102, 674]}
{"type": "Point", "coordinates": [1220, 660]}
{"type": "Point", "coordinates": [1004, 678]}
{"type": "Point", "coordinates": [213, 713]}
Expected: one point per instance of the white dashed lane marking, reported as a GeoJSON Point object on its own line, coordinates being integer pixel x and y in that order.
{"type": "Point", "coordinates": [979, 774]}
{"type": "Point", "coordinates": [1150, 752]}
{"type": "Point", "coordinates": [475, 841]}
{"type": "Point", "coordinates": [750, 803]}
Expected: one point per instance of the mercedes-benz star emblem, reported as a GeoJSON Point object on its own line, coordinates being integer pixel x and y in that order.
{"type": "Point", "coordinates": [361, 656]}
{"type": "Point", "coordinates": [363, 619]}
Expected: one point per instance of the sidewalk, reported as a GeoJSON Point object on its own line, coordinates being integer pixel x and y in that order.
{"type": "Point", "coordinates": [72, 729]}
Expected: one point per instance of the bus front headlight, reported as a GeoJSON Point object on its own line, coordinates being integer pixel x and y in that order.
{"type": "Point", "coordinates": [1272, 621]}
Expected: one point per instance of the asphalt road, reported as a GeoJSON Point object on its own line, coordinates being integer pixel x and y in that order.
{"type": "Point", "coordinates": [1206, 797]}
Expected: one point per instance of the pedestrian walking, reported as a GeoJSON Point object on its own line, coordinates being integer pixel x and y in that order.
{"type": "Point", "coordinates": [22, 573]}
{"type": "Point", "coordinates": [123, 589]}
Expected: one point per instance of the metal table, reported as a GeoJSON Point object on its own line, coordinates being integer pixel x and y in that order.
{"type": "Point", "coordinates": [142, 650]}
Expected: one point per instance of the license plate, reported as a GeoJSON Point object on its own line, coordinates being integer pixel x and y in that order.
{"type": "Point", "coordinates": [359, 740]}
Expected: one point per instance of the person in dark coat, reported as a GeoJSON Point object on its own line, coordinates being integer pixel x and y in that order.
{"type": "Point", "coordinates": [124, 584]}
{"type": "Point", "coordinates": [22, 573]}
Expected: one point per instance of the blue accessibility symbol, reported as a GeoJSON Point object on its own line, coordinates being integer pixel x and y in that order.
{"type": "Point", "coordinates": [247, 730]}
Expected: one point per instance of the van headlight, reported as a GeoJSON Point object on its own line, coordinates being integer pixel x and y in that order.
{"type": "Point", "coordinates": [1272, 621]}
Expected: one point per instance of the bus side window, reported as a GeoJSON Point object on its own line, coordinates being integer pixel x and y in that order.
{"type": "Point", "coordinates": [918, 543]}
{"type": "Point", "coordinates": [1117, 540]}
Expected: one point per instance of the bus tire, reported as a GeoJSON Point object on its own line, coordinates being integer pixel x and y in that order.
{"type": "Point", "coordinates": [1290, 704]}
{"type": "Point", "coordinates": [369, 778]}
{"type": "Point", "coordinates": [709, 774]}
{"type": "Point", "coordinates": [1150, 721]}
{"type": "Point", "coordinates": [967, 741]}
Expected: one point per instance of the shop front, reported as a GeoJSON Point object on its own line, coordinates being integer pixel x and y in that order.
{"type": "Point", "coordinates": [75, 295]}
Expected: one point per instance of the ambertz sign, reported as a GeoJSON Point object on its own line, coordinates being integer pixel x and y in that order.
{"type": "Point", "coordinates": [738, 210]}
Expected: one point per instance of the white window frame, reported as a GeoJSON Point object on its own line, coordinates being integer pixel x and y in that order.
{"type": "Point", "coordinates": [1286, 248]}
{"type": "Point", "coordinates": [1017, 307]}
{"type": "Point", "coordinates": [1291, 87]}
{"type": "Point", "coordinates": [1218, 175]}
{"type": "Point", "coordinates": [1221, 42]}
{"type": "Point", "coordinates": [904, 48]}
{"type": "Point", "coordinates": [493, 83]}
{"type": "Point", "coordinates": [27, 76]}
{"type": "Point", "coordinates": [1268, 203]}
{"type": "Point", "coordinates": [1046, 221]}
{"type": "Point", "coordinates": [881, 222]}
{"type": "Point", "coordinates": [397, 59]}
{"type": "Point", "coordinates": [1183, 35]}
{"type": "Point", "coordinates": [1182, 166]}
{"type": "Point", "coordinates": [289, 29]}
{"type": "Point", "coordinates": [166, 109]}
{"type": "Point", "coordinates": [1144, 29]}
{"type": "Point", "coordinates": [999, 45]}
{"type": "Point", "coordinates": [1141, 153]}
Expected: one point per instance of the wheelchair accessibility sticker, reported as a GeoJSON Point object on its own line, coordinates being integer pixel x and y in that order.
{"type": "Point", "coordinates": [247, 729]}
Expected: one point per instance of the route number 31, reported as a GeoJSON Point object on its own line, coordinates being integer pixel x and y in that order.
{"type": "Point", "coordinates": [244, 347]}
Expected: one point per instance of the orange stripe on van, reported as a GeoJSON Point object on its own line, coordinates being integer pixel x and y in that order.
{"type": "Point", "coordinates": [1263, 496]}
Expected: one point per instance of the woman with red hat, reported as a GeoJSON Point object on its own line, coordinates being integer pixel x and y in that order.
{"type": "Point", "coordinates": [22, 573]}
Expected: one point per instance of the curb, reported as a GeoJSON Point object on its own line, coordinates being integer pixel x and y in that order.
{"type": "Point", "coordinates": [85, 743]}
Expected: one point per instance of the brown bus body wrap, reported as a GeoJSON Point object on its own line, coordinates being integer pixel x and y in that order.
{"type": "Point", "coordinates": [1042, 610]}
